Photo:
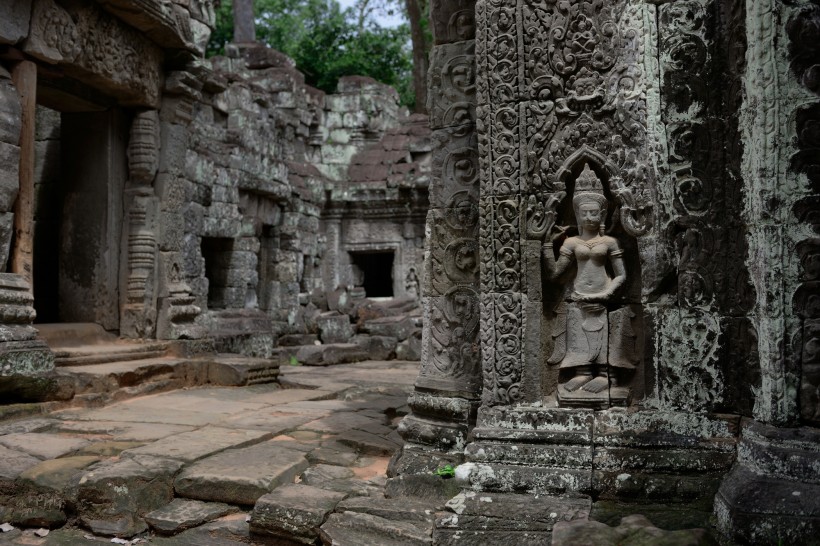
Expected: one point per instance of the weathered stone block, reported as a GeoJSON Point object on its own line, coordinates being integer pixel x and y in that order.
{"type": "Point", "coordinates": [183, 514]}
{"type": "Point", "coordinates": [293, 512]}
{"type": "Point", "coordinates": [334, 327]}
{"type": "Point", "coordinates": [398, 327]}
{"type": "Point", "coordinates": [241, 476]}
{"type": "Point", "coordinates": [113, 497]}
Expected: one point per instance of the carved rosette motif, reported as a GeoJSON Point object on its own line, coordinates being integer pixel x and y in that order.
{"type": "Point", "coordinates": [803, 29]}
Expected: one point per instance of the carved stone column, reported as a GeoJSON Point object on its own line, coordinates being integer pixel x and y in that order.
{"type": "Point", "coordinates": [773, 492]}
{"type": "Point", "coordinates": [449, 383]}
{"type": "Point", "coordinates": [138, 315]}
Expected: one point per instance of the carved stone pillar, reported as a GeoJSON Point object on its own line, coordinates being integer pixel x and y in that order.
{"type": "Point", "coordinates": [138, 315]}
{"type": "Point", "coordinates": [449, 383]}
{"type": "Point", "coordinates": [772, 494]}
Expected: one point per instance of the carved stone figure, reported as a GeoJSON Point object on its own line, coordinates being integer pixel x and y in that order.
{"type": "Point", "coordinates": [591, 340]}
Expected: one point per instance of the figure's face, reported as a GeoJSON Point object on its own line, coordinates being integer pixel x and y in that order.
{"type": "Point", "coordinates": [590, 216]}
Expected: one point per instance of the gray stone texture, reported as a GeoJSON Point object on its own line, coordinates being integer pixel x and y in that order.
{"type": "Point", "coordinates": [294, 512]}
{"type": "Point", "coordinates": [240, 476]}
{"type": "Point", "coordinates": [15, 23]}
{"type": "Point", "coordinates": [182, 514]}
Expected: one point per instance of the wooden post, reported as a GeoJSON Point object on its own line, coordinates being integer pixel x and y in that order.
{"type": "Point", "coordinates": [24, 77]}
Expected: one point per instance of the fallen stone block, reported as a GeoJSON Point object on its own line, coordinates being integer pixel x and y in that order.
{"type": "Point", "coordinates": [182, 514]}
{"type": "Point", "coordinates": [399, 327]}
{"type": "Point", "coordinates": [293, 512]}
{"type": "Point", "coordinates": [27, 505]}
{"type": "Point", "coordinates": [328, 355]}
{"type": "Point", "coordinates": [240, 476]}
{"type": "Point", "coordinates": [334, 327]}
{"type": "Point", "coordinates": [294, 340]}
{"type": "Point", "coordinates": [235, 371]}
{"type": "Point", "coordinates": [377, 347]}
{"type": "Point", "coordinates": [113, 497]}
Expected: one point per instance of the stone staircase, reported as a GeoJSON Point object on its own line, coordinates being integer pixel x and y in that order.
{"type": "Point", "coordinates": [95, 367]}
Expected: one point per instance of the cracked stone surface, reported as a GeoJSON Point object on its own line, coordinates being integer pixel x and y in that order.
{"type": "Point", "coordinates": [129, 467]}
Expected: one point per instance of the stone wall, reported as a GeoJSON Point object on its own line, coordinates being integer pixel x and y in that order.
{"type": "Point", "coordinates": [244, 196]}
{"type": "Point", "coordinates": [645, 203]}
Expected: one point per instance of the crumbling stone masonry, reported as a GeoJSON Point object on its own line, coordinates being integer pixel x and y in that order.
{"type": "Point", "coordinates": [219, 203]}
{"type": "Point", "coordinates": [620, 293]}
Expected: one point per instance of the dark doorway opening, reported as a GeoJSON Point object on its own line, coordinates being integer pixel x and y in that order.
{"type": "Point", "coordinates": [377, 270]}
{"type": "Point", "coordinates": [217, 254]}
{"type": "Point", "coordinates": [80, 172]}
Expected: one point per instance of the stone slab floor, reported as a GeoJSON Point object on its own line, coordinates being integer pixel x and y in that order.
{"type": "Point", "coordinates": [188, 466]}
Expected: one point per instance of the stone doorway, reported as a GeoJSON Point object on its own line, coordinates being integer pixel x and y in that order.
{"type": "Point", "coordinates": [376, 272]}
{"type": "Point", "coordinates": [80, 174]}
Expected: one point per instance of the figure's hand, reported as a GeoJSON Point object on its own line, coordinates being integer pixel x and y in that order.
{"type": "Point", "coordinates": [540, 217]}
{"type": "Point", "coordinates": [537, 219]}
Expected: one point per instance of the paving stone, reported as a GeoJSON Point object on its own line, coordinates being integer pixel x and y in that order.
{"type": "Point", "coordinates": [338, 478]}
{"type": "Point", "coordinates": [124, 431]}
{"type": "Point", "coordinates": [57, 474]}
{"type": "Point", "coordinates": [355, 529]}
{"type": "Point", "coordinates": [322, 473]}
{"type": "Point", "coordinates": [240, 476]}
{"type": "Point", "coordinates": [325, 455]}
{"type": "Point", "coordinates": [109, 448]}
{"type": "Point", "coordinates": [113, 496]}
{"type": "Point", "coordinates": [370, 444]}
{"type": "Point", "coordinates": [27, 425]}
{"type": "Point", "coordinates": [13, 462]}
{"type": "Point", "coordinates": [286, 396]}
{"type": "Point", "coordinates": [182, 514]}
{"type": "Point", "coordinates": [43, 445]}
{"type": "Point", "coordinates": [340, 422]}
{"type": "Point", "coordinates": [227, 531]}
{"type": "Point", "coordinates": [268, 419]}
{"type": "Point", "coordinates": [633, 531]}
{"type": "Point", "coordinates": [293, 511]}
{"type": "Point", "coordinates": [194, 445]}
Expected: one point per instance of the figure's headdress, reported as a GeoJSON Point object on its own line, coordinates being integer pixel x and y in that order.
{"type": "Point", "coordinates": [588, 189]}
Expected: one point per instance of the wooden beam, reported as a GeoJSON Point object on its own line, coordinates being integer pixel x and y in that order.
{"type": "Point", "coordinates": [24, 77]}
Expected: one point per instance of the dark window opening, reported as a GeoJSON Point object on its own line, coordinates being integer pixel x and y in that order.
{"type": "Point", "coordinates": [377, 272]}
{"type": "Point", "coordinates": [217, 254]}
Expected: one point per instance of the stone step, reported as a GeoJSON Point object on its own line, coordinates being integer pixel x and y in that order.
{"type": "Point", "coordinates": [88, 355]}
{"type": "Point", "coordinates": [359, 529]}
{"type": "Point", "coordinates": [126, 373]}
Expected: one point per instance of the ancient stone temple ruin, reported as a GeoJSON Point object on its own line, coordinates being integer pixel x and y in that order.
{"type": "Point", "coordinates": [610, 223]}
{"type": "Point", "coordinates": [620, 295]}
{"type": "Point", "coordinates": [221, 204]}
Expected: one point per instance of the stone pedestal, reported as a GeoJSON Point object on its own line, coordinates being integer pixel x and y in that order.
{"type": "Point", "coordinates": [644, 455]}
{"type": "Point", "coordinates": [21, 353]}
{"type": "Point", "coordinates": [772, 493]}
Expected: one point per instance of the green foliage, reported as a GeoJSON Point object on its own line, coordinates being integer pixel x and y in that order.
{"type": "Point", "coordinates": [326, 42]}
{"type": "Point", "coordinates": [446, 471]}
{"type": "Point", "coordinates": [293, 361]}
